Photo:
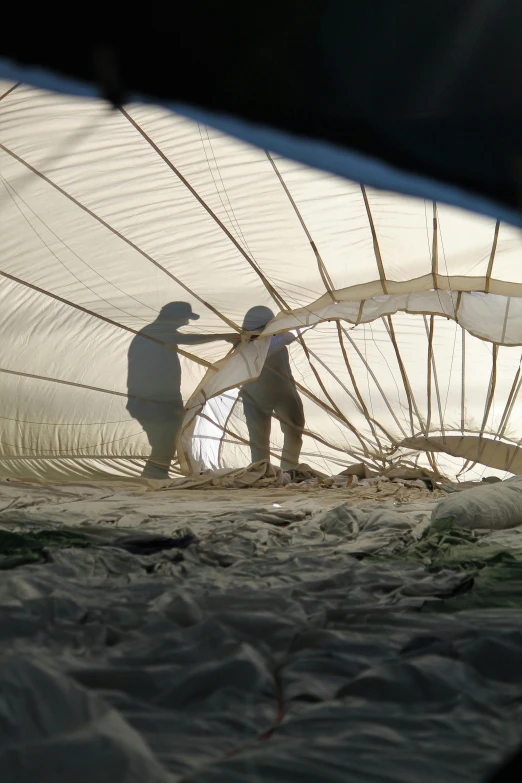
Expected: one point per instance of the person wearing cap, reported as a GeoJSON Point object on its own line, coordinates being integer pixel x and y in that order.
{"type": "Point", "coordinates": [273, 393]}
{"type": "Point", "coordinates": [154, 381]}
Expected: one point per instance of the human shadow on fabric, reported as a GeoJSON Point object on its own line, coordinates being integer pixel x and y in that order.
{"type": "Point", "coordinates": [273, 393]}
{"type": "Point", "coordinates": [154, 381]}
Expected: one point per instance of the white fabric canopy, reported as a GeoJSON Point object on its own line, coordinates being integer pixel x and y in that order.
{"type": "Point", "coordinates": [108, 216]}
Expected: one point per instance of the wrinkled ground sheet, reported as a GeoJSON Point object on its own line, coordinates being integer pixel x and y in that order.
{"type": "Point", "coordinates": [256, 635]}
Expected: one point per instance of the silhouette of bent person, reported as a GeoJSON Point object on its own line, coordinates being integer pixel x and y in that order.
{"type": "Point", "coordinates": [273, 393]}
{"type": "Point", "coordinates": [154, 381]}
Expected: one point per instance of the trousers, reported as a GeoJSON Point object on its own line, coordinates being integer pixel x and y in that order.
{"type": "Point", "coordinates": [284, 403]}
{"type": "Point", "coordinates": [161, 425]}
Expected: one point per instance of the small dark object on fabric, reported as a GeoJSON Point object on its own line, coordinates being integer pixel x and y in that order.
{"type": "Point", "coordinates": [149, 544]}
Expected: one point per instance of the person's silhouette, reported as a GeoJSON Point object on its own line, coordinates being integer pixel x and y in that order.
{"type": "Point", "coordinates": [154, 381]}
{"type": "Point", "coordinates": [273, 393]}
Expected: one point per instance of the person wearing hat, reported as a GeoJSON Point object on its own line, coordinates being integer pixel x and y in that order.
{"type": "Point", "coordinates": [154, 381]}
{"type": "Point", "coordinates": [273, 393]}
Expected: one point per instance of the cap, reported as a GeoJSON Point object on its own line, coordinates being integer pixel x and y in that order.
{"type": "Point", "coordinates": [177, 311]}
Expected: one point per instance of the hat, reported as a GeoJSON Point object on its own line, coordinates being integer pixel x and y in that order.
{"type": "Point", "coordinates": [257, 317]}
{"type": "Point", "coordinates": [177, 311]}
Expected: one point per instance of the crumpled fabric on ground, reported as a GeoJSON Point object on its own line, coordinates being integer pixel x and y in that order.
{"type": "Point", "coordinates": [276, 648]}
{"type": "Point", "coordinates": [491, 506]}
{"type": "Point", "coordinates": [260, 474]}
{"type": "Point", "coordinates": [21, 548]}
{"type": "Point", "coordinates": [496, 570]}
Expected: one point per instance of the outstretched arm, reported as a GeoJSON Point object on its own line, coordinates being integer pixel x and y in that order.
{"type": "Point", "coordinates": [200, 339]}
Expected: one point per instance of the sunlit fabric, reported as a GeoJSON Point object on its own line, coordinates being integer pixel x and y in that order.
{"type": "Point", "coordinates": [107, 217]}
